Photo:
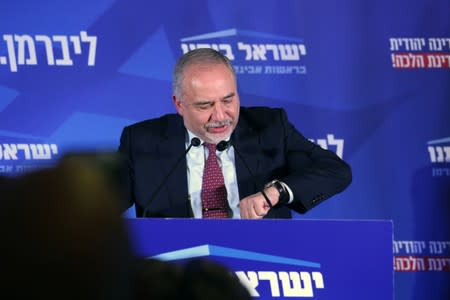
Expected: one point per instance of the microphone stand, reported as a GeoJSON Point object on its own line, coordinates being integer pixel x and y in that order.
{"type": "Point", "coordinates": [194, 142]}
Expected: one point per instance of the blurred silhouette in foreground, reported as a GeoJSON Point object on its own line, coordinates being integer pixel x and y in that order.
{"type": "Point", "coordinates": [204, 279]}
{"type": "Point", "coordinates": [63, 237]}
{"type": "Point", "coordinates": [197, 279]}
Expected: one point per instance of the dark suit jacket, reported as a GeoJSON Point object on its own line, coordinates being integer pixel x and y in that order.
{"type": "Point", "coordinates": [270, 146]}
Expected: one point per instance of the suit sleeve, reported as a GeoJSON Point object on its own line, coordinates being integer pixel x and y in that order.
{"type": "Point", "coordinates": [314, 174]}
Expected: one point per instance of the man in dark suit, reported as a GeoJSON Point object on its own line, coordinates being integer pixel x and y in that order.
{"type": "Point", "coordinates": [266, 166]}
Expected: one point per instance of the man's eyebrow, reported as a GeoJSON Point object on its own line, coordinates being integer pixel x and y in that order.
{"type": "Point", "coordinates": [203, 102]}
{"type": "Point", "coordinates": [230, 95]}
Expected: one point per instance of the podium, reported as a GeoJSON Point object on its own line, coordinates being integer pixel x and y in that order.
{"type": "Point", "coordinates": [281, 259]}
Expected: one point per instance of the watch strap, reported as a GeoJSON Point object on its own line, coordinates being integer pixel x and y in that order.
{"type": "Point", "coordinates": [284, 195]}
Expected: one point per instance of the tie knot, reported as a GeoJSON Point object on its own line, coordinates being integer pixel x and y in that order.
{"type": "Point", "coordinates": [211, 147]}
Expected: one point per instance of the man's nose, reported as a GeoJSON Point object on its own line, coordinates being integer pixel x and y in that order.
{"type": "Point", "coordinates": [218, 112]}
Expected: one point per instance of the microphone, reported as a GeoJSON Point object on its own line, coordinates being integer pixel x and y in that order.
{"type": "Point", "coordinates": [222, 145]}
{"type": "Point", "coordinates": [228, 144]}
{"type": "Point", "coordinates": [195, 141]}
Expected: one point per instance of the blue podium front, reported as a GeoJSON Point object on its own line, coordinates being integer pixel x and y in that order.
{"type": "Point", "coordinates": [319, 259]}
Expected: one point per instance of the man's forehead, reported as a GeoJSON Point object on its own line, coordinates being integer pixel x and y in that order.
{"type": "Point", "coordinates": [200, 67]}
{"type": "Point", "coordinates": [207, 99]}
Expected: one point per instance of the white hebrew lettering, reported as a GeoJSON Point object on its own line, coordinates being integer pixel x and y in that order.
{"type": "Point", "coordinates": [406, 43]}
{"type": "Point", "coordinates": [6, 169]}
{"type": "Point", "coordinates": [418, 44]}
{"type": "Point", "coordinates": [408, 246]}
{"type": "Point", "coordinates": [395, 247]}
{"type": "Point", "coordinates": [445, 263]}
{"type": "Point", "coordinates": [185, 48]}
{"type": "Point", "coordinates": [92, 40]}
{"type": "Point", "coordinates": [433, 44]}
{"type": "Point", "coordinates": [11, 52]}
{"type": "Point", "coordinates": [259, 52]}
{"type": "Point", "coordinates": [416, 61]}
{"type": "Point", "coordinates": [432, 154]}
{"type": "Point", "coordinates": [398, 60]}
{"type": "Point", "coordinates": [434, 61]}
{"type": "Point", "coordinates": [409, 264]}
{"type": "Point", "coordinates": [30, 151]}
{"type": "Point", "coordinates": [418, 246]}
{"type": "Point", "coordinates": [26, 149]}
{"type": "Point", "coordinates": [444, 58]}
{"type": "Point", "coordinates": [76, 44]}
{"type": "Point", "coordinates": [318, 280]}
{"type": "Point", "coordinates": [394, 44]}
{"type": "Point", "coordinates": [438, 44]}
{"type": "Point", "coordinates": [250, 281]}
{"type": "Point", "coordinates": [274, 49]}
{"type": "Point", "coordinates": [413, 44]}
{"type": "Point", "coordinates": [296, 289]}
{"type": "Point", "coordinates": [9, 152]}
{"type": "Point", "coordinates": [397, 264]}
{"type": "Point", "coordinates": [253, 69]}
{"type": "Point", "coordinates": [25, 41]}
{"type": "Point", "coordinates": [48, 48]}
{"type": "Point", "coordinates": [302, 49]}
{"type": "Point", "coordinates": [26, 49]}
{"type": "Point", "coordinates": [273, 279]}
{"type": "Point", "coordinates": [441, 171]}
{"type": "Point", "coordinates": [405, 264]}
{"type": "Point", "coordinates": [200, 46]}
{"type": "Point", "coordinates": [331, 141]}
{"type": "Point", "coordinates": [247, 48]}
{"type": "Point", "coordinates": [54, 149]}
{"type": "Point", "coordinates": [339, 143]}
{"type": "Point", "coordinates": [420, 264]}
{"type": "Point", "coordinates": [40, 151]}
{"type": "Point", "coordinates": [438, 247]}
{"type": "Point", "coordinates": [192, 46]}
{"type": "Point", "coordinates": [406, 62]}
{"type": "Point", "coordinates": [322, 143]}
{"type": "Point", "coordinates": [228, 51]}
{"type": "Point", "coordinates": [440, 154]}
{"type": "Point", "coordinates": [438, 61]}
{"type": "Point", "coordinates": [435, 264]}
{"type": "Point", "coordinates": [65, 60]}
{"type": "Point", "coordinates": [289, 52]}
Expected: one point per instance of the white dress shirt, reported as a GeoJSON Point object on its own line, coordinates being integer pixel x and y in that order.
{"type": "Point", "coordinates": [195, 163]}
{"type": "Point", "coordinates": [195, 160]}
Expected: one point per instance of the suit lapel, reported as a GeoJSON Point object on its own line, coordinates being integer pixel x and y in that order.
{"type": "Point", "coordinates": [173, 144]}
{"type": "Point", "coordinates": [246, 143]}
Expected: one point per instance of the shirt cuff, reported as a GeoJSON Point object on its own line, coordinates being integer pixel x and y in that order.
{"type": "Point", "coordinates": [291, 195]}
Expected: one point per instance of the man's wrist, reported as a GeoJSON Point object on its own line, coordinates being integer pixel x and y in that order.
{"type": "Point", "coordinates": [277, 188]}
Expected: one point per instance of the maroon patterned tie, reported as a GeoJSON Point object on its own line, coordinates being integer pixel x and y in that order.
{"type": "Point", "coordinates": [214, 193]}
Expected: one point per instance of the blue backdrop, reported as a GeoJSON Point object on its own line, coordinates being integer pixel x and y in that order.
{"type": "Point", "coordinates": [369, 80]}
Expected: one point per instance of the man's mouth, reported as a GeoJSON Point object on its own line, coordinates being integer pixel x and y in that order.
{"type": "Point", "coordinates": [218, 127]}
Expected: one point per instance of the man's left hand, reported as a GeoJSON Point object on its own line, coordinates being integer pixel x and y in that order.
{"type": "Point", "coordinates": [255, 206]}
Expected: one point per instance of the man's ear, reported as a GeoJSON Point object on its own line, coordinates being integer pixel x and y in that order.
{"type": "Point", "coordinates": [178, 106]}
